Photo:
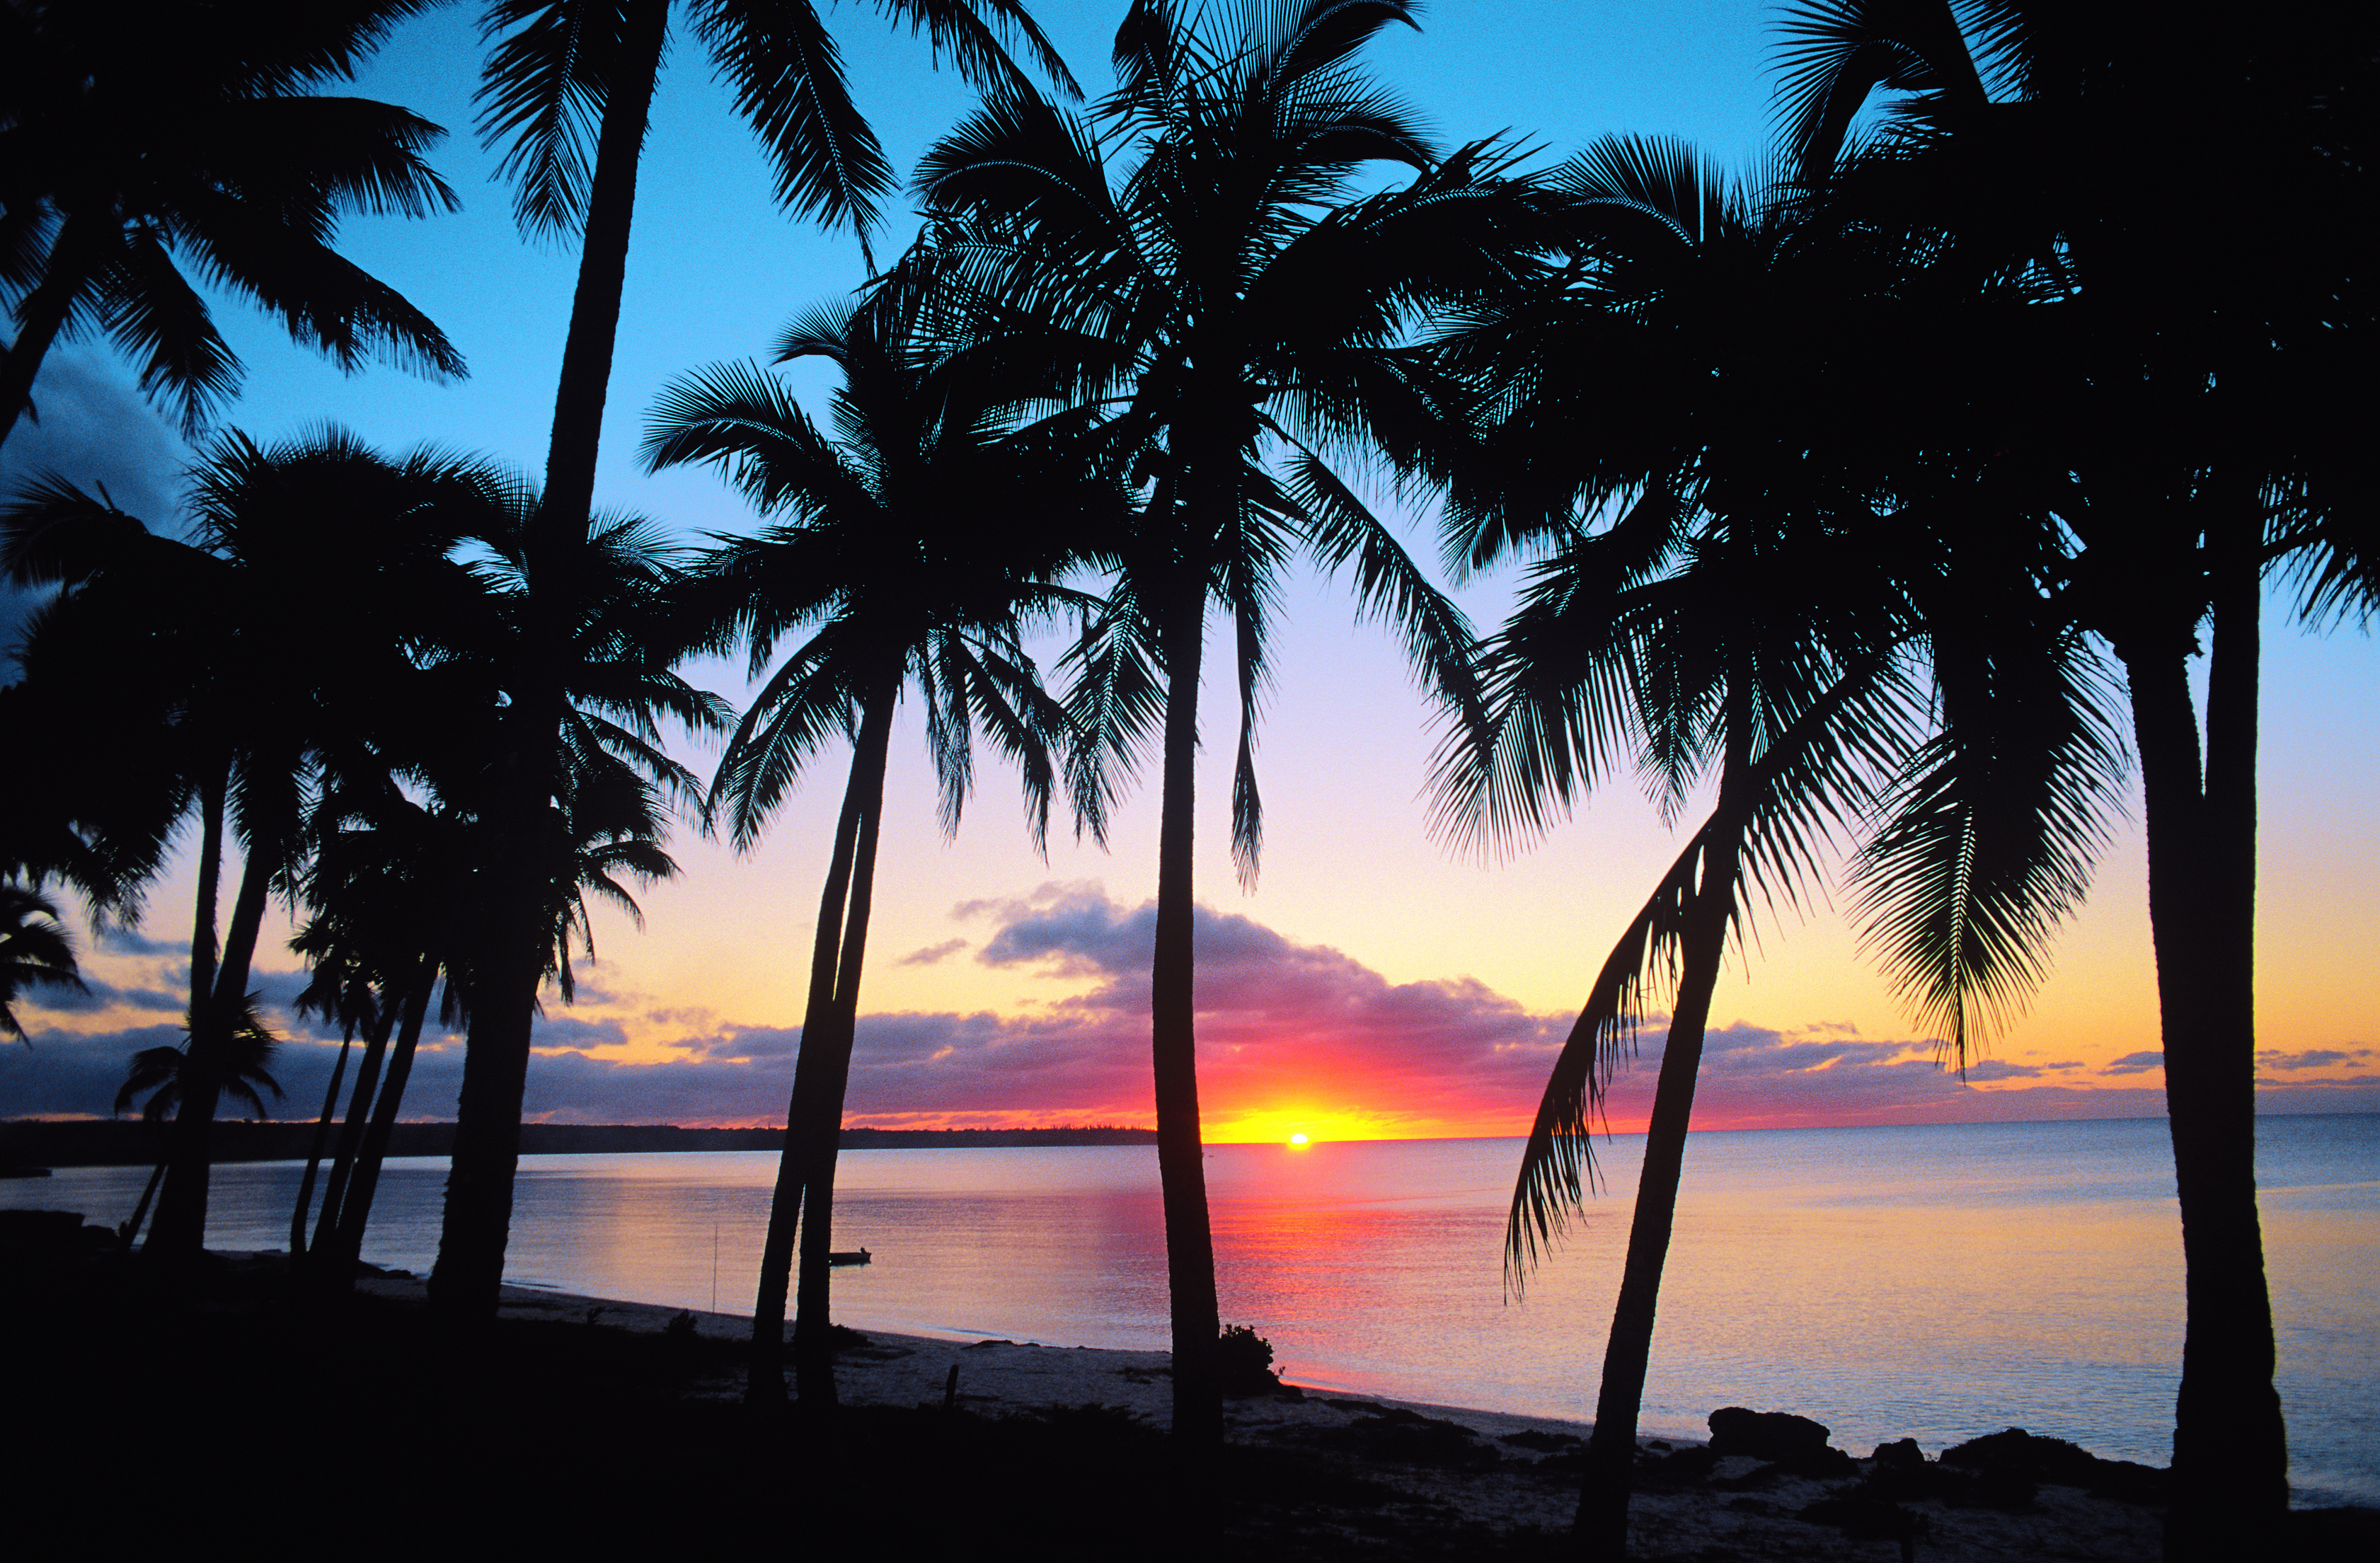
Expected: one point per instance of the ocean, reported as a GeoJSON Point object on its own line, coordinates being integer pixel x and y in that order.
{"type": "Point", "coordinates": [1935, 1283]}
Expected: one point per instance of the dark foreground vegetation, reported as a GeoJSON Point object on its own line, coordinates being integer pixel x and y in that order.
{"type": "Point", "coordinates": [568, 1434]}
{"type": "Point", "coordinates": [578, 1431]}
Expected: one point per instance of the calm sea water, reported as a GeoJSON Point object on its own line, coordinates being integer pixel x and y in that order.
{"type": "Point", "coordinates": [1933, 1282]}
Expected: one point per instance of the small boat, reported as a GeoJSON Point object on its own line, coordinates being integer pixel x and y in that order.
{"type": "Point", "coordinates": [858, 1257]}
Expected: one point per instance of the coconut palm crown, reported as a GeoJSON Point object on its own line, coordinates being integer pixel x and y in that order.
{"type": "Point", "coordinates": [915, 547]}
{"type": "Point", "coordinates": [34, 951]}
{"type": "Point", "coordinates": [1201, 260]}
{"type": "Point", "coordinates": [142, 145]}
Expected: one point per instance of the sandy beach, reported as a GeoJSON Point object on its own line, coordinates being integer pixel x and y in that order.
{"type": "Point", "coordinates": [575, 1423]}
{"type": "Point", "coordinates": [1500, 1473]}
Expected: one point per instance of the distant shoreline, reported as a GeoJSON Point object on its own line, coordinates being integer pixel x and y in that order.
{"type": "Point", "coordinates": [100, 1142]}
{"type": "Point", "coordinates": [115, 1143]}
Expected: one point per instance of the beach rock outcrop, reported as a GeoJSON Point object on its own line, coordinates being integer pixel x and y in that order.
{"type": "Point", "coordinates": [2014, 1457]}
{"type": "Point", "coordinates": [50, 1231]}
{"type": "Point", "coordinates": [1685, 1468]}
{"type": "Point", "coordinates": [1794, 1443]}
{"type": "Point", "coordinates": [1392, 1433]}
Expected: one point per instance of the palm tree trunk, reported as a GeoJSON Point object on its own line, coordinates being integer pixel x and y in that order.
{"type": "Point", "coordinates": [1181, 1154]}
{"type": "Point", "coordinates": [314, 1155]}
{"type": "Point", "coordinates": [765, 1375]}
{"type": "Point", "coordinates": [351, 1133]}
{"type": "Point", "coordinates": [44, 314]}
{"type": "Point", "coordinates": [1611, 1449]}
{"type": "Point", "coordinates": [603, 267]}
{"type": "Point", "coordinates": [204, 947]}
{"type": "Point", "coordinates": [131, 1230]}
{"type": "Point", "coordinates": [470, 1272]}
{"type": "Point", "coordinates": [467, 1280]}
{"type": "Point", "coordinates": [179, 1233]}
{"type": "Point", "coordinates": [2230, 1456]}
{"type": "Point", "coordinates": [337, 1262]}
{"type": "Point", "coordinates": [813, 1323]}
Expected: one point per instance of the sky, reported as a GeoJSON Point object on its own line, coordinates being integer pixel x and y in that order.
{"type": "Point", "coordinates": [1374, 982]}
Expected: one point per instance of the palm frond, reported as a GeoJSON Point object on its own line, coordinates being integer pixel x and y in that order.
{"type": "Point", "coordinates": [1557, 1163]}
{"type": "Point", "coordinates": [1990, 831]}
{"type": "Point", "coordinates": [788, 78]}
{"type": "Point", "coordinates": [551, 72]}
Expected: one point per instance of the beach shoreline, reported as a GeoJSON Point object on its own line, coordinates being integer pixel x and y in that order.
{"type": "Point", "coordinates": [1502, 1473]}
{"type": "Point", "coordinates": [610, 1409]}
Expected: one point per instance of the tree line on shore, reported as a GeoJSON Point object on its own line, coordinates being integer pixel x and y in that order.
{"type": "Point", "coordinates": [1883, 496]}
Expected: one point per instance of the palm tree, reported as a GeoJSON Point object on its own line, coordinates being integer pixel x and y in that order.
{"type": "Point", "coordinates": [2179, 423]}
{"type": "Point", "coordinates": [142, 140]}
{"type": "Point", "coordinates": [35, 950]}
{"type": "Point", "coordinates": [1736, 600]}
{"type": "Point", "coordinates": [570, 654]}
{"type": "Point", "coordinates": [918, 542]}
{"type": "Point", "coordinates": [338, 990]}
{"type": "Point", "coordinates": [382, 896]}
{"type": "Point", "coordinates": [569, 86]}
{"type": "Point", "coordinates": [168, 1075]}
{"type": "Point", "coordinates": [257, 702]}
{"type": "Point", "coordinates": [568, 89]}
{"type": "Point", "coordinates": [1193, 254]}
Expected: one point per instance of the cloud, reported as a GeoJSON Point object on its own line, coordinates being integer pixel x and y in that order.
{"type": "Point", "coordinates": [933, 954]}
{"type": "Point", "coordinates": [2313, 1058]}
{"type": "Point", "coordinates": [2136, 1064]}
{"type": "Point", "coordinates": [115, 936]}
{"type": "Point", "coordinates": [1284, 1028]}
{"type": "Point", "coordinates": [96, 431]}
{"type": "Point", "coordinates": [1995, 1068]}
{"type": "Point", "coordinates": [98, 995]}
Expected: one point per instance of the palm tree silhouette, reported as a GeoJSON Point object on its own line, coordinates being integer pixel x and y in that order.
{"type": "Point", "coordinates": [169, 1076]}
{"type": "Point", "coordinates": [570, 649]}
{"type": "Point", "coordinates": [142, 141]}
{"type": "Point", "coordinates": [1221, 305]}
{"type": "Point", "coordinates": [34, 951]}
{"type": "Point", "coordinates": [1734, 605]}
{"type": "Point", "coordinates": [254, 703]}
{"type": "Point", "coordinates": [919, 540]}
{"type": "Point", "coordinates": [2180, 423]}
{"type": "Point", "coordinates": [568, 89]}
{"type": "Point", "coordinates": [382, 896]}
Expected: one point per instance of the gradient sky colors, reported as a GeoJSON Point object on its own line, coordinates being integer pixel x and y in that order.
{"type": "Point", "coordinates": [1374, 984]}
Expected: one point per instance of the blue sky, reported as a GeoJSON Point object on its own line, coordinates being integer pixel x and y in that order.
{"type": "Point", "coordinates": [716, 269]}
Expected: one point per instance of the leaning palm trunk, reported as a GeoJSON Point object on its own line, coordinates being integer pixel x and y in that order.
{"type": "Point", "coordinates": [337, 1257]}
{"type": "Point", "coordinates": [765, 1381]}
{"type": "Point", "coordinates": [1182, 1173]}
{"type": "Point", "coordinates": [822, 1130]}
{"type": "Point", "coordinates": [351, 1133]}
{"type": "Point", "coordinates": [130, 1231]}
{"type": "Point", "coordinates": [180, 1231]}
{"type": "Point", "coordinates": [2230, 1443]}
{"type": "Point", "coordinates": [314, 1152]}
{"type": "Point", "coordinates": [1611, 1450]}
{"type": "Point", "coordinates": [602, 266]}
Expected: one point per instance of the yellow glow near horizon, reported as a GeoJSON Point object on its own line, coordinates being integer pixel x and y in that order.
{"type": "Point", "coordinates": [1304, 1123]}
